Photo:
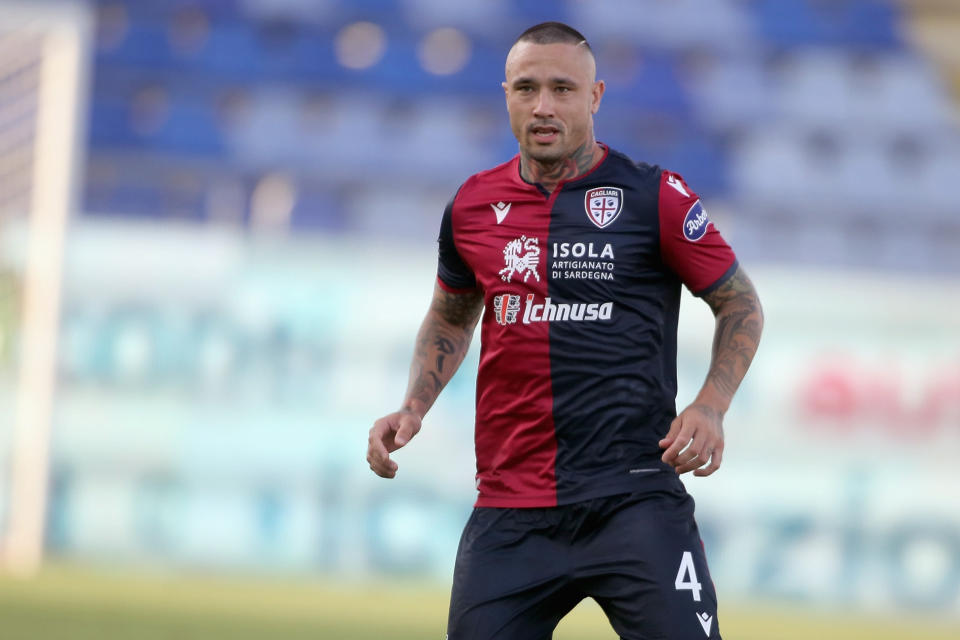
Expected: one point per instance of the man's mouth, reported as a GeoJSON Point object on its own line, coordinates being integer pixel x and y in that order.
{"type": "Point", "coordinates": [545, 132]}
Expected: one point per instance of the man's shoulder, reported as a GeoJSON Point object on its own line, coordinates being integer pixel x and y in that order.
{"type": "Point", "coordinates": [633, 170]}
{"type": "Point", "coordinates": [494, 186]}
{"type": "Point", "coordinates": [505, 172]}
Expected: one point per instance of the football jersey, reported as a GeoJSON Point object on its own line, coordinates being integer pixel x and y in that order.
{"type": "Point", "coordinates": [577, 377]}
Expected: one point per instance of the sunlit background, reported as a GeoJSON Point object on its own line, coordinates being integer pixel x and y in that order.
{"type": "Point", "coordinates": [217, 240]}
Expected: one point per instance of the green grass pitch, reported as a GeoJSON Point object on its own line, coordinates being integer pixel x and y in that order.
{"type": "Point", "coordinates": [97, 604]}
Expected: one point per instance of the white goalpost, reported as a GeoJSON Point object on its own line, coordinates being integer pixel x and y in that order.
{"type": "Point", "coordinates": [44, 70]}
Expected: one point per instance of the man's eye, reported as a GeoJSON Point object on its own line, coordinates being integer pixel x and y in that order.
{"type": "Point", "coordinates": [563, 89]}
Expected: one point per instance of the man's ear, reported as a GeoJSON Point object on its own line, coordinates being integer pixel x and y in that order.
{"type": "Point", "coordinates": [598, 88]}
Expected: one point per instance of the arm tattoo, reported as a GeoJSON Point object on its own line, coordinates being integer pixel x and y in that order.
{"type": "Point", "coordinates": [739, 323]}
{"type": "Point", "coordinates": [441, 345]}
{"type": "Point", "coordinates": [460, 309]}
{"type": "Point", "coordinates": [444, 347]}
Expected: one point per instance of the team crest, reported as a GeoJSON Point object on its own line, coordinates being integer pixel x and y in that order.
{"type": "Point", "coordinates": [603, 205]}
{"type": "Point", "coordinates": [506, 306]}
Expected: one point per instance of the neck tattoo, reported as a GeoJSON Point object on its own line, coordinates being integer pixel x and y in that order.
{"type": "Point", "coordinates": [550, 174]}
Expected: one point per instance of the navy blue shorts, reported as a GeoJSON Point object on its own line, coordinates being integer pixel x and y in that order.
{"type": "Point", "coordinates": [519, 571]}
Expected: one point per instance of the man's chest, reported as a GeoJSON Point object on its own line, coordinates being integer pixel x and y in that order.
{"type": "Point", "coordinates": [587, 239]}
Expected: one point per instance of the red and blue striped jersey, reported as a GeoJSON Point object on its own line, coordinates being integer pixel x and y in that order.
{"type": "Point", "coordinates": [577, 376]}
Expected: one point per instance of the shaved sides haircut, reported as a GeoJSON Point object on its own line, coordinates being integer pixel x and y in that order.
{"type": "Point", "coordinates": [554, 33]}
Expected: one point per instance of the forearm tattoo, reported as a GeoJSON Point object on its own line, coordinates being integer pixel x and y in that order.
{"type": "Point", "coordinates": [442, 343]}
{"type": "Point", "coordinates": [739, 323]}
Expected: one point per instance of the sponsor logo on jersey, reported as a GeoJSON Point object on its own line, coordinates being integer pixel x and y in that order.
{"type": "Point", "coordinates": [677, 184]}
{"type": "Point", "coordinates": [603, 205]}
{"type": "Point", "coordinates": [501, 209]}
{"type": "Point", "coordinates": [521, 257]}
{"type": "Point", "coordinates": [582, 250]}
{"type": "Point", "coordinates": [550, 311]}
{"type": "Point", "coordinates": [506, 306]}
{"type": "Point", "coordinates": [582, 260]}
{"type": "Point", "coordinates": [695, 223]}
{"type": "Point", "coordinates": [706, 621]}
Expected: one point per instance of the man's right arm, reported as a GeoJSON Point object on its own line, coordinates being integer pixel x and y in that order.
{"type": "Point", "coordinates": [441, 345]}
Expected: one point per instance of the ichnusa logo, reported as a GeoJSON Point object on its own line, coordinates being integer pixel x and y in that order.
{"type": "Point", "coordinates": [550, 311]}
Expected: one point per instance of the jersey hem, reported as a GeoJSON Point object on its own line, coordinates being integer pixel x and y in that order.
{"type": "Point", "coordinates": [449, 289]}
{"type": "Point", "coordinates": [515, 503]}
{"type": "Point", "coordinates": [719, 281]}
{"type": "Point", "coordinates": [650, 482]}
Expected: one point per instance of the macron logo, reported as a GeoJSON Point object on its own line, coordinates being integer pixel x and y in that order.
{"type": "Point", "coordinates": [501, 209]}
{"type": "Point", "coordinates": [706, 621]}
{"type": "Point", "coordinates": [674, 182]}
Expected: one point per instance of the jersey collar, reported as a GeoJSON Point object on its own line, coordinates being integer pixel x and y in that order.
{"type": "Point", "coordinates": [518, 179]}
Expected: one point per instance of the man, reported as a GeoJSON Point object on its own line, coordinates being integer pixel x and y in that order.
{"type": "Point", "coordinates": [574, 257]}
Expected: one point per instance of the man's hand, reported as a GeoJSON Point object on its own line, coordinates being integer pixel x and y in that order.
{"type": "Point", "coordinates": [388, 434]}
{"type": "Point", "coordinates": [699, 428]}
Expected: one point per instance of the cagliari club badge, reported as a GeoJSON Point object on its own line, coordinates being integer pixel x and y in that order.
{"type": "Point", "coordinates": [603, 205]}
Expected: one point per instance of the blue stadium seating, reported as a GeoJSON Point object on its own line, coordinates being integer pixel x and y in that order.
{"type": "Point", "coordinates": [840, 23]}
{"type": "Point", "coordinates": [697, 98]}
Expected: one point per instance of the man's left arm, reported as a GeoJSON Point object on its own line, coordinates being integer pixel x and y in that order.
{"type": "Point", "coordinates": [695, 439]}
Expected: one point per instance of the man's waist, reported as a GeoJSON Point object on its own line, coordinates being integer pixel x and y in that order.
{"type": "Point", "coordinates": [499, 491]}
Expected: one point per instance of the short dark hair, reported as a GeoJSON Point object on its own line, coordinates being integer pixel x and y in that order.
{"type": "Point", "coordinates": [552, 33]}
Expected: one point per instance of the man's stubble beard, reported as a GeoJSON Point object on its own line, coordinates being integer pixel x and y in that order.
{"type": "Point", "coordinates": [547, 156]}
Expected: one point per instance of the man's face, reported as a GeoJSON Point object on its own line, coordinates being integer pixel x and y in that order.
{"type": "Point", "coordinates": [551, 98]}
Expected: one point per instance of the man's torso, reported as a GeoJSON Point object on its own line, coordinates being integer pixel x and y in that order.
{"type": "Point", "coordinates": [577, 377]}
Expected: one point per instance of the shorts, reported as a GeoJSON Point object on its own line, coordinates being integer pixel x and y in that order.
{"type": "Point", "coordinates": [519, 571]}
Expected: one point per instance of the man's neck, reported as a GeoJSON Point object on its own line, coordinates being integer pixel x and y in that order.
{"type": "Point", "coordinates": [550, 174]}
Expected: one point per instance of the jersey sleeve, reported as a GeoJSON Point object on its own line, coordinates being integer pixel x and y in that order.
{"type": "Point", "coordinates": [453, 274]}
{"type": "Point", "coordinates": [690, 244]}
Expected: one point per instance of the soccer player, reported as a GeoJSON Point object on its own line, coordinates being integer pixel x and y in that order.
{"type": "Point", "coordinates": [573, 257]}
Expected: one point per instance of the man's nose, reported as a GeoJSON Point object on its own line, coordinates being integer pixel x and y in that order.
{"type": "Point", "coordinates": [544, 106]}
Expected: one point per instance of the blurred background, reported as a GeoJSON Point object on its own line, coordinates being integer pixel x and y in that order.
{"type": "Point", "coordinates": [217, 241]}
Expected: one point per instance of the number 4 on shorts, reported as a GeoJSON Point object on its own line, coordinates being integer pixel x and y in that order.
{"type": "Point", "coordinates": [687, 577]}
